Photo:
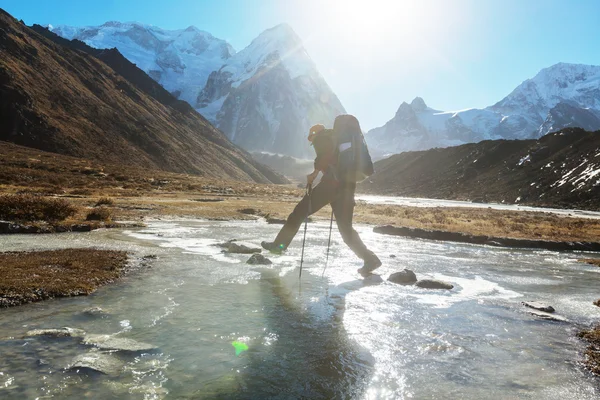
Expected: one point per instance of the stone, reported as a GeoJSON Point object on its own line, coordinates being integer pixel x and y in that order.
{"type": "Point", "coordinates": [433, 284]}
{"type": "Point", "coordinates": [60, 332]}
{"type": "Point", "coordinates": [236, 247]}
{"type": "Point", "coordinates": [538, 306]}
{"type": "Point", "coordinates": [547, 316]}
{"type": "Point", "coordinates": [406, 277]}
{"type": "Point", "coordinates": [259, 259]}
{"type": "Point", "coordinates": [105, 363]}
{"type": "Point", "coordinates": [110, 342]}
{"type": "Point", "coordinates": [81, 228]}
{"type": "Point", "coordinates": [94, 311]}
{"type": "Point", "coordinates": [597, 303]}
{"type": "Point", "coordinates": [276, 221]}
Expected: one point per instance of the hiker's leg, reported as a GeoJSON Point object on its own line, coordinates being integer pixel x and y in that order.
{"type": "Point", "coordinates": [321, 196]}
{"type": "Point", "coordinates": [343, 209]}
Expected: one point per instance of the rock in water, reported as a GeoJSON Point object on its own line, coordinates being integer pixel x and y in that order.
{"type": "Point", "coordinates": [259, 259]}
{"type": "Point", "coordinates": [406, 277]}
{"type": "Point", "coordinates": [236, 247]}
{"type": "Point", "coordinates": [547, 316]}
{"type": "Point", "coordinates": [433, 284]}
{"type": "Point", "coordinates": [104, 363]}
{"type": "Point", "coordinates": [109, 342]}
{"type": "Point", "coordinates": [94, 311]}
{"type": "Point", "coordinates": [539, 306]}
{"type": "Point", "coordinates": [60, 332]}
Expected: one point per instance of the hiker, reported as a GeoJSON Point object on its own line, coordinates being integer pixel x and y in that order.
{"type": "Point", "coordinates": [337, 187]}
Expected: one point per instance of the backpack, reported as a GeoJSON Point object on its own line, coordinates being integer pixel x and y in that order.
{"type": "Point", "coordinates": [354, 161]}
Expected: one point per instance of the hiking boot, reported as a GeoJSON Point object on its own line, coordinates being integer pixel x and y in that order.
{"type": "Point", "coordinates": [370, 265]}
{"type": "Point", "coordinates": [273, 247]}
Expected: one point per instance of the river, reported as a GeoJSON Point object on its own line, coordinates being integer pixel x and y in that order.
{"type": "Point", "coordinates": [330, 336]}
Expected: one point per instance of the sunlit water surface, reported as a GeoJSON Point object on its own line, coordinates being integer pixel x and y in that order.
{"type": "Point", "coordinates": [333, 337]}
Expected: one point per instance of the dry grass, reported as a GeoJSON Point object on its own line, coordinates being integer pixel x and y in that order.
{"type": "Point", "coordinates": [592, 354]}
{"type": "Point", "coordinates": [29, 208]}
{"type": "Point", "coordinates": [593, 261]}
{"type": "Point", "coordinates": [35, 276]}
{"type": "Point", "coordinates": [99, 214]}
{"type": "Point", "coordinates": [138, 193]}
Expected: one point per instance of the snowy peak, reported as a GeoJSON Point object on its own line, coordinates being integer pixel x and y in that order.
{"type": "Point", "coordinates": [267, 95]}
{"type": "Point", "coordinates": [418, 104]}
{"type": "Point", "coordinates": [180, 60]}
{"type": "Point", "coordinates": [563, 95]}
{"type": "Point", "coordinates": [559, 83]}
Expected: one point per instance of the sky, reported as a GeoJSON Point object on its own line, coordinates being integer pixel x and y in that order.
{"type": "Point", "coordinates": [375, 54]}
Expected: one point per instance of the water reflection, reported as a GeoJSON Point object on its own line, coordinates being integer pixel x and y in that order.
{"type": "Point", "coordinates": [310, 356]}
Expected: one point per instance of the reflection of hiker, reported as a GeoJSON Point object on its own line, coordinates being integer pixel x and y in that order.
{"type": "Point", "coordinates": [342, 157]}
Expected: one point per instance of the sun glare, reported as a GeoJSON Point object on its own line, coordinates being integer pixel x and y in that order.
{"type": "Point", "coordinates": [366, 21]}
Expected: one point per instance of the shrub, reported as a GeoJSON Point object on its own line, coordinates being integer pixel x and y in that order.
{"type": "Point", "coordinates": [105, 201]}
{"type": "Point", "coordinates": [27, 207]}
{"type": "Point", "coordinates": [99, 214]}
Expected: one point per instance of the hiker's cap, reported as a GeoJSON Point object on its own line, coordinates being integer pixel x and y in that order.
{"type": "Point", "coordinates": [314, 130]}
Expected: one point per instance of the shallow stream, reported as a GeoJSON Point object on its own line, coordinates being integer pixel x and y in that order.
{"type": "Point", "coordinates": [335, 336]}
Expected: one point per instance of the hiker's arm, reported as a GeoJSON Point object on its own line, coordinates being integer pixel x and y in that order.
{"type": "Point", "coordinates": [312, 176]}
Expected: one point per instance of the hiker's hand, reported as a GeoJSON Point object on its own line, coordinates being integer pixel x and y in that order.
{"type": "Point", "coordinates": [311, 177]}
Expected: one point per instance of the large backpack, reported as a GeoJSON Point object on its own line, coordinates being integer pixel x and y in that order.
{"type": "Point", "coordinates": [354, 161]}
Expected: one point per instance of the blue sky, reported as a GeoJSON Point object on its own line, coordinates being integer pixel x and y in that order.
{"type": "Point", "coordinates": [374, 54]}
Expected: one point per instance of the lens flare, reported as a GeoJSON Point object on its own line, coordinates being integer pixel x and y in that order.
{"type": "Point", "coordinates": [239, 347]}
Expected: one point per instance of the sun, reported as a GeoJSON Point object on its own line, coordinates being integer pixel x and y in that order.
{"type": "Point", "coordinates": [365, 21]}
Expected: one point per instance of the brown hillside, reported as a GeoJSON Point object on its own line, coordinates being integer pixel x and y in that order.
{"type": "Point", "coordinates": [59, 99]}
{"type": "Point", "coordinates": [561, 169]}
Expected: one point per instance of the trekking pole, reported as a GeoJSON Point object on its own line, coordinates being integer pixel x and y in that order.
{"type": "Point", "coordinates": [328, 243]}
{"type": "Point", "coordinates": [308, 193]}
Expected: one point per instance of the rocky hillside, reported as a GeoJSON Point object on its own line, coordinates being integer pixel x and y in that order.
{"type": "Point", "coordinates": [65, 100]}
{"type": "Point", "coordinates": [264, 98]}
{"type": "Point", "coordinates": [563, 95]}
{"type": "Point", "coordinates": [560, 169]}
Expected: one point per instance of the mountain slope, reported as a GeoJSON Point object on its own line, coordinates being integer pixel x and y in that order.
{"type": "Point", "coordinates": [264, 98]}
{"type": "Point", "coordinates": [56, 98]}
{"type": "Point", "coordinates": [560, 169]}
{"type": "Point", "coordinates": [563, 95]}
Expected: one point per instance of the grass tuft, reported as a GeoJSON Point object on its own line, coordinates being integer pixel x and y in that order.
{"type": "Point", "coordinates": [35, 276]}
{"type": "Point", "coordinates": [29, 208]}
{"type": "Point", "coordinates": [99, 214]}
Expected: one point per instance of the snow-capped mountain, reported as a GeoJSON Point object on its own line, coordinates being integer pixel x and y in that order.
{"type": "Point", "coordinates": [180, 60]}
{"type": "Point", "coordinates": [560, 96]}
{"type": "Point", "coordinates": [266, 97]}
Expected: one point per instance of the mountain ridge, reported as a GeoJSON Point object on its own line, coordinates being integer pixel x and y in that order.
{"type": "Point", "coordinates": [561, 169]}
{"type": "Point", "coordinates": [558, 96]}
{"type": "Point", "coordinates": [264, 97]}
{"type": "Point", "coordinates": [63, 99]}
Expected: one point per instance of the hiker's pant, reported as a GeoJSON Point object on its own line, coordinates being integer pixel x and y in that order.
{"type": "Point", "coordinates": [341, 199]}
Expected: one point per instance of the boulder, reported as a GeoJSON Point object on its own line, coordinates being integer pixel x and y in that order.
{"type": "Point", "coordinates": [433, 284]}
{"type": "Point", "coordinates": [547, 316]}
{"type": "Point", "coordinates": [59, 332]}
{"type": "Point", "coordinates": [105, 363]}
{"type": "Point", "coordinates": [109, 342]}
{"type": "Point", "coordinates": [538, 306]}
{"type": "Point", "coordinates": [233, 246]}
{"type": "Point", "coordinates": [258, 259]}
{"type": "Point", "coordinates": [94, 311]}
{"type": "Point", "coordinates": [406, 277]}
